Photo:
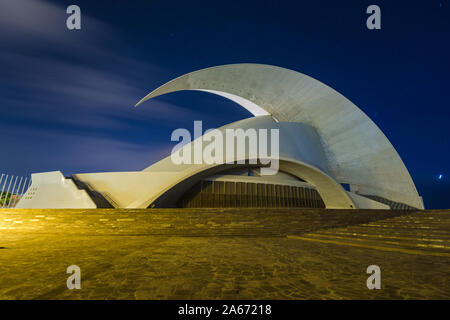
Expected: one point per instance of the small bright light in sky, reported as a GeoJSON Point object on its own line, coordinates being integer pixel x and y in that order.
{"type": "Point", "coordinates": [440, 176]}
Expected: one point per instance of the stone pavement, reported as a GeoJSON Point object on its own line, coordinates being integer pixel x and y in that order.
{"type": "Point", "coordinates": [224, 254]}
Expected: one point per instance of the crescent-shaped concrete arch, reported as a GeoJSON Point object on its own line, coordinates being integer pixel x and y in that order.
{"type": "Point", "coordinates": [331, 192]}
{"type": "Point", "coordinates": [358, 153]}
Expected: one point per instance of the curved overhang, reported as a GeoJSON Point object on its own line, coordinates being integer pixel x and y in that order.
{"type": "Point", "coordinates": [331, 192]}
{"type": "Point", "coordinates": [358, 153]}
{"type": "Point", "coordinates": [251, 107]}
{"type": "Point", "coordinates": [300, 154]}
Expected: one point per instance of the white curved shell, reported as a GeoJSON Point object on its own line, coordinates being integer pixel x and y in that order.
{"type": "Point", "coordinates": [357, 152]}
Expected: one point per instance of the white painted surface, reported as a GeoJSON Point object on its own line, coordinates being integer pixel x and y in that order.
{"type": "Point", "coordinates": [325, 140]}
{"type": "Point", "coordinates": [253, 108]}
{"type": "Point", "coordinates": [357, 152]}
{"type": "Point", "coordinates": [301, 155]}
{"type": "Point", "coordinates": [127, 188]}
{"type": "Point", "coordinates": [262, 179]}
{"type": "Point", "coordinates": [366, 203]}
{"type": "Point", "coordinates": [51, 190]}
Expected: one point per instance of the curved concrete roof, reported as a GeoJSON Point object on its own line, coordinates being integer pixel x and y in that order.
{"type": "Point", "coordinates": [300, 154]}
{"type": "Point", "coordinates": [358, 153]}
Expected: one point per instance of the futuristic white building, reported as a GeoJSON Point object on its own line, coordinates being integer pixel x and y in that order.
{"type": "Point", "coordinates": [327, 145]}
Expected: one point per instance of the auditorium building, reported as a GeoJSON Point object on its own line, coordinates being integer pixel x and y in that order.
{"type": "Point", "coordinates": [331, 155]}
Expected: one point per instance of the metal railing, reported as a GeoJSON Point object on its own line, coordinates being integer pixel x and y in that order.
{"type": "Point", "coordinates": [12, 188]}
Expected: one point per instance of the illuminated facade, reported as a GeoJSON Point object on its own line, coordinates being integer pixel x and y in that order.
{"type": "Point", "coordinates": [331, 155]}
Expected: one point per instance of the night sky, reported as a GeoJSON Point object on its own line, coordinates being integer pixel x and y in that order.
{"type": "Point", "coordinates": [67, 97]}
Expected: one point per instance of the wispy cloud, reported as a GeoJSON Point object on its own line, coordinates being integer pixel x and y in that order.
{"type": "Point", "coordinates": [47, 150]}
{"type": "Point", "coordinates": [72, 94]}
{"type": "Point", "coordinates": [27, 23]}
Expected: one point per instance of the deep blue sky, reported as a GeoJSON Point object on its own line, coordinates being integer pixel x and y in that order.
{"type": "Point", "coordinates": [67, 97]}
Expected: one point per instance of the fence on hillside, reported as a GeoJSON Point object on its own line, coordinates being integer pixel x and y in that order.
{"type": "Point", "coordinates": [12, 188]}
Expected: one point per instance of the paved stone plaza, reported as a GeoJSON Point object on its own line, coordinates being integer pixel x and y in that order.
{"type": "Point", "coordinates": [224, 254]}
